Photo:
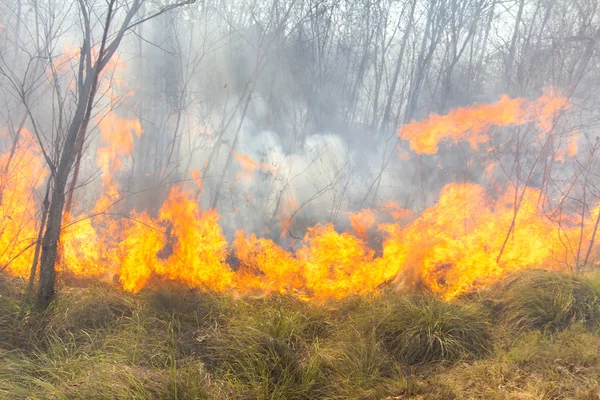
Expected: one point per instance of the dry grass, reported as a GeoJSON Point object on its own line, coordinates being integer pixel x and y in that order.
{"type": "Point", "coordinates": [422, 328]}
{"type": "Point", "coordinates": [534, 336]}
{"type": "Point", "coordinates": [547, 301]}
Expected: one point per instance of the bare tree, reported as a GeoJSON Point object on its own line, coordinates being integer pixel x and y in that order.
{"type": "Point", "coordinates": [118, 18]}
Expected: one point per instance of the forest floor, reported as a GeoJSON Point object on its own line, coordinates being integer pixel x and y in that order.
{"type": "Point", "coordinates": [535, 335]}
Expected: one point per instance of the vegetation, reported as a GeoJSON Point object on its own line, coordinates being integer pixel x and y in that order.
{"type": "Point", "coordinates": [424, 328]}
{"type": "Point", "coordinates": [291, 113]}
{"type": "Point", "coordinates": [535, 335]}
{"type": "Point", "coordinates": [549, 301]}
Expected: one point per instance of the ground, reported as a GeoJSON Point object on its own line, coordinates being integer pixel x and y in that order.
{"type": "Point", "coordinates": [535, 335]}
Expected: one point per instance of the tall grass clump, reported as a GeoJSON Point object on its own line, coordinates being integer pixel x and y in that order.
{"type": "Point", "coordinates": [423, 328]}
{"type": "Point", "coordinates": [10, 308]}
{"type": "Point", "coordinates": [86, 309]}
{"type": "Point", "coordinates": [267, 355]}
{"type": "Point", "coordinates": [547, 300]}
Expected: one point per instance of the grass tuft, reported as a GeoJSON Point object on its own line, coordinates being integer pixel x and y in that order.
{"type": "Point", "coordinates": [267, 355]}
{"type": "Point", "coordinates": [548, 301]}
{"type": "Point", "coordinates": [88, 308]}
{"type": "Point", "coordinates": [423, 328]}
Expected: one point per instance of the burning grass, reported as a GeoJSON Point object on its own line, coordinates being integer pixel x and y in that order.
{"type": "Point", "coordinates": [533, 336]}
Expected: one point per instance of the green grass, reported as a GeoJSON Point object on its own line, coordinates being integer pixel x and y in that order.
{"type": "Point", "coordinates": [535, 335]}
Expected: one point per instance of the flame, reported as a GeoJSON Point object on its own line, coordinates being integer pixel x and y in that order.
{"type": "Point", "coordinates": [286, 213]}
{"type": "Point", "coordinates": [249, 166]}
{"type": "Point", "coordinates": [85, 247]}
{"type": "Point", "coordinates": [471, 124]}
{"type": "Point", "coordinates": [328, 265]}
{"type": "Point", "coordinates": [63, 64]}
{"type": "Point", "coordinates": [569, 150]}
{"type": "Point", "coordinates": [19, 179]}
{"type": "Point", "coordinates": [361, 221]}
{"type": "Point", "coordinates": [197, 178]}
{"type": "Point", "coordinates": [457, 242]}
{"type": "Point", "coordinates": [198, 255]}
{"type": "Point", "coordinates": [396, 211]}
{"type": "Point", "coordinates": [118, 137]}
{"type": "Point", "coordinates": [265, 267]}
{"type": "Point", "coordinates": [143, 240]}
{"type": "Point", "coordinates": [472, 236]}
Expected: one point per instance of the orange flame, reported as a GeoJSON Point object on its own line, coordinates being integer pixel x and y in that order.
{"type": "Point", "coordinates": [361, 221]}
{"type": "Point", "coordinates": [471, 124]}
{"type": "Point", "coordinates": [18, 220]}
{"type": "Point", "coordinates": [396, 211]}
{"type": "Point", "coordinates": [286, 213]}
{"type": "Point", "coordinates": [456, 243]}
{"type": "Point", "coordinates": [249, 166]}
{"type": "Point", "coordinates": [469, 238]}
{"type": "Point", "coordinates": [569, 150]}
{"type": "Point", "coordinates": [117, 134]}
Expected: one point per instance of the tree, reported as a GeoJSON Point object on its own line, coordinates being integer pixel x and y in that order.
{"type": "Point", "coordinates": [116, 19]}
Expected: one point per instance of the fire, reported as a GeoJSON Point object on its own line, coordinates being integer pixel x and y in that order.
{"type": "Point", "coordinates": [396, 211]}
{"type": "Point", "coordinates": [80, 251]}
{"type": "Point", "coordinates": [265, 267]}
{"type": "Point", "coordinates": [198, 255]}
{"type": "Point", "coordinates": [472, 236]}
{"type": "Point", "coordinates": [569, 150]}
{"type": "Point", "coordinates": [249, 166]}
{"type": "Point", "coordinates": [457, 242]}
{"type": "Point", "coordinates": [117, 134]}
{"type": "Point", "coordinates": [361, 221]}
{"type": "Point", "coordinates": [336, 264]}
{"type": "Point", "coordinates": [85, 246]}
{"type": "Point", "coordinates": [328, 265]}
{"type": "Point", "coordinates": [286, 213]}
{"type": "Point", "coordinates": [472, 124]}
{"type": "Point", "coordinates": [21, 175]}
{"type": "Point", "coordinates": [143, 240]}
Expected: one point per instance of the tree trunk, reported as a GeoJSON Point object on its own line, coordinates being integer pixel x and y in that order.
{"type": "Point", "coordinates": [388, 106]}
{"type": "Point", "coordinates": [38, 245]}
{"type": "Point", "coordinates": [78, 126]}
{"type": "Point", "coordinates": [55, 213]}
{"type": "Point", "coordinates": [50, 242]}
{"type": "Point", "coordinates": [511, 51]}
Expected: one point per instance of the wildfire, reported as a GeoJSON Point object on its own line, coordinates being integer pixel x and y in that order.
{"type": "Point", "coordinates": [22, 173]}
{"type": "Point", "coordinates": [249, 166]}
{"type": "Point", "coordinates": [396, 211]}
{"type": "Point", "coordinates": [472, 124]}
{"type": "Point", "coordinates": [471, 236]}
{"type": "Point", "coordinates": [361, 221]}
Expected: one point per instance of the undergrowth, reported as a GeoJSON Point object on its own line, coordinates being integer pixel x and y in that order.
{"type": "Point", "coordinates": [535, 335]}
